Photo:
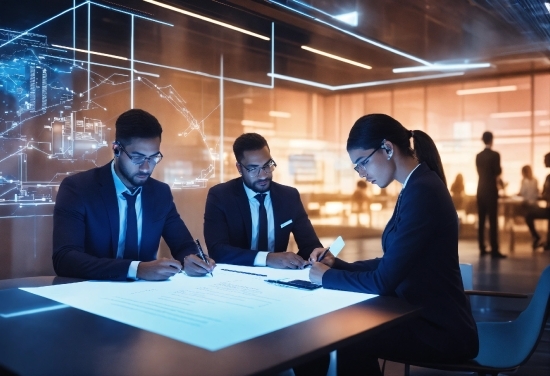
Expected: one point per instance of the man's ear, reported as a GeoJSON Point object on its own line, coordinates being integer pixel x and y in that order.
{"type": "Point", "coordinates": [238, 168]}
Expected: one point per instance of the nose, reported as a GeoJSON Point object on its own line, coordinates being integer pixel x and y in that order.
{"type": "Point", "coordinates": [145, 166]}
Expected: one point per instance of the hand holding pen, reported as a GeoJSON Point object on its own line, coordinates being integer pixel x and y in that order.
{"type": "Point", "coordinates": [195, 265]}
{"type": "Point", "coordinates": [322, 255]}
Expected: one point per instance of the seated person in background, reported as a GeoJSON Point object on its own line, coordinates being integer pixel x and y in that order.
{"type": "Point", "coordinates": [360, 200]}
{"type": "Point", "coordinates": [529, 192]}
{"type": "Point", "coordinates": [108, 220]}
{"type": "Point", "coordinates": [536, 212]}
{"type": "Point", "coordinates": [420, 261]}
{"type": "Point", "coordinates": [248, 220]}
{"type": "Point", "coordinates": [457, 192]}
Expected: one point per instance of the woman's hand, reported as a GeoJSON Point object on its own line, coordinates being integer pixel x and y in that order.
{"type": "Point", "coordinates": [328, 259]}
{"type": "Point", "coordinates": [316, 272]}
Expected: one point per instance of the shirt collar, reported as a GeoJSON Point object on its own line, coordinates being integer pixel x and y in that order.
{"type": "Point", "coordinates": [407, 179]}
{"type": "Point", "coordinates": [250, 193]}
{"type": "Point", "coordinates": [119, 185]}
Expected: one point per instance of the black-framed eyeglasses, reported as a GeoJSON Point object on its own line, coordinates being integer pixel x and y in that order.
{"type": "Point", "coordinates": [140, 159]}
{"type": "Point", "coordinates": [266, 168]}
{"type": "Point", "coordinates": [363, 163]}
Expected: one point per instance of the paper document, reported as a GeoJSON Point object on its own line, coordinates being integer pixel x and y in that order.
{"type": "Point", "coordinates": [337, 246]}
{"type": "Point", "coordinates": [207, 312]}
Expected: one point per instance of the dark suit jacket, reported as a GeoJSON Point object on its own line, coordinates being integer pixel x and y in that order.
{"type": "Point", "coordinates": [228, 223]}
{"type": "Point", "coordinates": [488, 169]}
{"type": "Point", "coordinates": [86, 225]}
{"type": "Point", "coordinates": [420, 265]}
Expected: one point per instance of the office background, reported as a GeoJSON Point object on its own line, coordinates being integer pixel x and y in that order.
{"type": "Point", "coordinates": [68, 68]}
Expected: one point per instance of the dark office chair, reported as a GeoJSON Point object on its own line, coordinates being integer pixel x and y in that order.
{"type": "Point", "coordinates": [505, 346]}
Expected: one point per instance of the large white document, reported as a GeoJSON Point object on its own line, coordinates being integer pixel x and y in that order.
{"type": "Point", "coordinates": [207, 312]}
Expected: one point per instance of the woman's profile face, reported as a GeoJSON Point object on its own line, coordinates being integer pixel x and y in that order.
{"type": "Point", "coordinates": [373, 165]}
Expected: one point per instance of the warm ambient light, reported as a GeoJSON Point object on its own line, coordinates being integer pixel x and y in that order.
{"type": "Point", "coordinates": [517, 114]}
{"type": "Point", "coordinates": [90, 52]}
{"type": "Point", "coordinates": [441, 67]}
{"type": "Point", "coordinates": [484, 90]}
{"type": "Point", "coordinates": [259, 124]}
{"type": "Point", "coordinates": [279, 114]}
{"type": "Point", "coordinates": [336, 57]}
{"type": "Point", "coordinates": [207, 19]}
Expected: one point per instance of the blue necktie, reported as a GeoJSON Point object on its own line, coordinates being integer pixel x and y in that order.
{"type": "Point", "coordinates": [262, 228]}
{"type": "Point", "coordinates": [131, 243]}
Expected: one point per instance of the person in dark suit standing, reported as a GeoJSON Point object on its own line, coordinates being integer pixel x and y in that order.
{"type": "Point", "coordinates": [420, 260]}
{"type": "Point", "coordinates": [489, 170]}
{"type": "Point", "coordinates": [108, 221]}
{"type": "Point", "coordinates": [248, 220]}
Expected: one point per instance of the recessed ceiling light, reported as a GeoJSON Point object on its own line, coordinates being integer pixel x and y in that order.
{"type": "Point", "coordinates": [335, 57]}
{"type": "Point", "coordinates": [484, 90]}
{"type": "Point", "coordinates": [441, 67]}
{"type": "Point", "coordinates": [207, 19]}
{"type": "Point", "coordinates": [279, 114]}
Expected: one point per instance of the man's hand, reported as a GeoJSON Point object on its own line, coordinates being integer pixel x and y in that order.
{"type": "Point", "coordinates": [327, 260]}
{"type": "Point", "coordinates": [194, 266]}
{"type": "Point", "coordinates": [285, 260]}
{"type": "Point", "coordinates": [316, 272]}
{"type": "Point", "coordinates": [158, 270]}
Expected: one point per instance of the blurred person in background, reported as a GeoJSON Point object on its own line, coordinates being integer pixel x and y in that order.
{"type": "Point", "coordinates": [489, 170]}
{"type": "Point", "coordinates": [457, 192]}
{"type": "Point", "coordinates": [536, 212]}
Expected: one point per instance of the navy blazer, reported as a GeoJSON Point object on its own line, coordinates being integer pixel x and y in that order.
{"type": "Point", "coordinates": [419, 265]}
{"type": "Point", "coordinates": [86, 226]}
{"type": "Point", "coordinates": [228, 223]}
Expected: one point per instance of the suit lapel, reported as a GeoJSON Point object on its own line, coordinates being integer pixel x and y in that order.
{"type": "Point", "coordinates": [147, 213]}
{"type": "Point", "coordinates": [244, 207]}
{"type": "Point", "coordinates": [108, 194]}
{"type": "Point", "coordinates": [277, 206]}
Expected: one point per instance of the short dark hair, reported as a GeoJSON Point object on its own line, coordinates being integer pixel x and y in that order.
{"type": "Point", "coordinates": [487, 137]}
{"type": "Point", "coordinates": [136, 123]}
{"type": "Point", "coordinates": [248, 142]}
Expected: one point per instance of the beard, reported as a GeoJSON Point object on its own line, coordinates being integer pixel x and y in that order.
{"type": "Point", "coordinates": [257, 185]}
{"type": "Point", "coordinates": [137, 179]}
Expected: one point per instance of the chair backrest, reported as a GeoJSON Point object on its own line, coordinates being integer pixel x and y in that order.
{"type": "Point", "coordinates": [510, 344]}
{"type": "Point", "coordinates": [467, 272]}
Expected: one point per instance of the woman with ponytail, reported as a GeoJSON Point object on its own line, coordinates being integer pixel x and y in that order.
{"type": "Point", "coordinates": [420, 244]}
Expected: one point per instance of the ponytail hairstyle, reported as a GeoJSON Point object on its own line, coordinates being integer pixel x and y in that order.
{"type": "Point", "coordinates": [370, 131]}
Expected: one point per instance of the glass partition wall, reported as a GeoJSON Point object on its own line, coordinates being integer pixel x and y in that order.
{"type": "Point", "coordinates": [68, 69]}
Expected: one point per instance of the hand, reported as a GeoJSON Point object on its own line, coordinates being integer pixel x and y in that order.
{"type": "Point", "coordinates": [158, 270]}
{"type": "Point", "coordinates": [316, 272]}
{"type": "Point", "coordinates": [285, 260]}
{"type": "Point", "coordinates": [194, 266]}
{"type": "Point", "coordinates": [327, 260]}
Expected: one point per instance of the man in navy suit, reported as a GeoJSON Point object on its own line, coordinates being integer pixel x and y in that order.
{"type": "Point", "coordinates": [108, 221]}
{"type": "Point", "coordinates": [248, 220]}
{"type": "Point", "coordinates": [488, 169]}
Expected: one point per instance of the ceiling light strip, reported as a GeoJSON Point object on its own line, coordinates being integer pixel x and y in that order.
{"type": "Point", "coordinates": [336, 57]}
{"type": "Point", "coordinates": [364, 84]}
{"type": "Point", "coordinates": [207, 19]}
{"type": "Point", "coordinates": [91, 52]}
{"type": "Point", "coordinates": [441, 67]}
{"type": "Point", "coordinates": [367, 40]}
{"type": "Point", "coordinates": [485, 90]}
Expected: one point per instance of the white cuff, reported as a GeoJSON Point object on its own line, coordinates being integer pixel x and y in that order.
{"type": "Point", "coordinates": [261, 259]}
{"type": "Point", "coordinates": [132, 270]}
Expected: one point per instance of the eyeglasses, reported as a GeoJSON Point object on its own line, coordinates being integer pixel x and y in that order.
{"type": "Point", "coordinates": [266, 168]}
{"type": "Point", "coordinates": [362, 164]}
{"type": "Point", "coordinates": [139, 160]}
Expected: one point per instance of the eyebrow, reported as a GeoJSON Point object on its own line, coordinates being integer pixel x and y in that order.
{"type": "Point", "coordinates": [359, 159]}
{"type": "Point", "coordinates": [138, 154]}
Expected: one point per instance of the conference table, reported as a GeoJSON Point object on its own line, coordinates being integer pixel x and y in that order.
{"type": "Point", "coordinates": [74, 342]}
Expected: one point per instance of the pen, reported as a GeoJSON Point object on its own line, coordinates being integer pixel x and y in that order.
{"type": "Point", "coordinates": [238, 271]}
{"type": "Point", "coordinates": [201, 254]}
{"type": "Point", "coordinates": [323, 254]}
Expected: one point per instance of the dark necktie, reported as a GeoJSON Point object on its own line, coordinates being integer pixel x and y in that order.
{"type": "Point", "coordinates": [262, 228]}
{"type": "Point", "coordinates": [131, 244]}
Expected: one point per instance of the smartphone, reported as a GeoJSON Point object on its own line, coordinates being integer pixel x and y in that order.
{"type": "Point", "coordinates": [296, 283]}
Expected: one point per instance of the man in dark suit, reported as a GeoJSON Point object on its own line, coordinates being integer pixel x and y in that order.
{"type": "Point", "coordinates": [536, 212]}
{"type": "Point", "coordinates": [488, 169]}
{"type": "Point", "coordinates": [248, 220]}
{"type": "Point", "coordinates": [108, 221]}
